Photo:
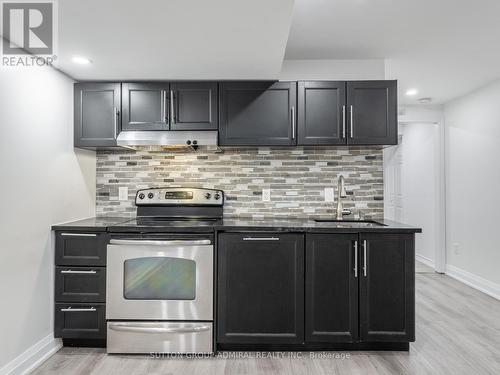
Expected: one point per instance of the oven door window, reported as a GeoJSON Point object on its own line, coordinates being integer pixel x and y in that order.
{"type": "Point", "coordinates": [159, 278]}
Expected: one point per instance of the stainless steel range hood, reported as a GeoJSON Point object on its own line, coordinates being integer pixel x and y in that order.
{"type": "Point", "coordinates": [175, 139]}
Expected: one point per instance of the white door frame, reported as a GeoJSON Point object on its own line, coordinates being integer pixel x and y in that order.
{"type": "Point", "coordinates": [434, 115]}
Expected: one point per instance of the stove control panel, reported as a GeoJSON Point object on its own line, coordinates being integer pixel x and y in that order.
{"type": "Point", "coordinates": [179, 197]}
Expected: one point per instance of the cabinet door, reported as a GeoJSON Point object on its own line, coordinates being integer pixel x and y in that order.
{"type": "Point", "coordinates": [260, 288]}
{"type": "Point", "coordinates": [257, 113]}
{"type": "Point", "coordinates": [194, 106]}
{"type": "Point", "coordinates": [321, 113]}
{"type": "Point", "coordinates": [97, 109]}
{"type": "Point", "coordinates": [145, 106]}
{"type": "Point", "coordinates": [331, 288]}
{"type": "Point", "coordinates": [387, 287]}
{"type": "Point", "coordinates": [373, 117]}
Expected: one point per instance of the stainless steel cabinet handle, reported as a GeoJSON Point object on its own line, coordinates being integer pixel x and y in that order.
{"type": "Point", "coordinates": [343, 121]}
{"type": "Point", "coordinates": [355, 258]}
{"type": "Point", "coordinates": [261, 239]}
{"type": "Point", "coordinates": [293, 122]}
{"type": "Point", "coordinates": [70, 309]}
{"type": "Point", "coordinates": [364, 258]}
{"type": "Point", "coordinates": [160, 243]}
{"type": "Point", "coordinates": [79, 234]}
{"type": "Point", "coordinates": [91, 272]}
{"type": "Point", "coordinates": [172, 107]}
{"type": "Point", "coordinates": [352, 121]}
{"type": "Point", "coordinates": [164, 106]}
{"type": "Point", "coordinates": [127, 328]}
{"type": "Point", "coordinates": [115, 120]}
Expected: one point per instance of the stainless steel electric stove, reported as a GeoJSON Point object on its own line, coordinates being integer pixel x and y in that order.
{"type": "Point", "coordinates": [160, 273]}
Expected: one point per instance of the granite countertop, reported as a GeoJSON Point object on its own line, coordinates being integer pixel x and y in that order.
{"type": "Point", "coordinates": [249, 224]}
{"type": "Point", "coordinates": [99, 223]}
{"type": "Point", "coordinates": [309, 225]}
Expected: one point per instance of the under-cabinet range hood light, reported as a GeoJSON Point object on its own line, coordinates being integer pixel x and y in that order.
{"type": "Point", "coordinates": [168, 140]}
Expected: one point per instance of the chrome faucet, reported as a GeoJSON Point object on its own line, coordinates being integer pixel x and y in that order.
{"type": "Point", "coordinates": [341, 193]}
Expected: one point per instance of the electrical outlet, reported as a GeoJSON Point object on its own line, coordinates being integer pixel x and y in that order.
{"type": "Point", "coordinates": [456, 248]}
{"type": "Point", "coordinates": [329, 194]}
{"type": "Point", "coordinates": [266, 195]}
{"type": "Point", "coordinates": [123, 193]}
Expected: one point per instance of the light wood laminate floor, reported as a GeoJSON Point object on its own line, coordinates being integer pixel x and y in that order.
{"type": "Point", "coordinates": [458, 332]}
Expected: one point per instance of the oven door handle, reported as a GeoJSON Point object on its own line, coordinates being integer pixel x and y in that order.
{"type": "Point", "coordinates": [161, 243]}
{"type": "Point", "coordinates": [131, 328]}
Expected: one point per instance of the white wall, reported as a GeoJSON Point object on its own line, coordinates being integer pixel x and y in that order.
{"type": "Point", "coordinates": [340, 70]}
{"type": "Point", "coordinates": [473, 186]}
{"type": "Point", "coordinates": [43, 181]}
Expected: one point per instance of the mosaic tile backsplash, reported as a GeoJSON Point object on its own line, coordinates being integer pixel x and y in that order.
{"type": "Point", "coordinates": [296, 176]}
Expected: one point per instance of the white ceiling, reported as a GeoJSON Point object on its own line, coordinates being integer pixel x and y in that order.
{"type": "Point", "coordinates": [173, 39]}
{"type": "Point", "coordinates": [444, 48]}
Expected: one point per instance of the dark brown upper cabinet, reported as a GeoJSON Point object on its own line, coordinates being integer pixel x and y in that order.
{"type": "Point", "coordinates": [257, 113]}
{"type": "Point", "coordinates": [194, 106]}
{"type": "Point", "coordinates": [347, 113]}
{"type": "Point", "coordinates": [373, 117]}
{"type": "Point", "coordinates": [96, 114]}
{"type": "Point", "coordinates": [145, 106]}
{"type": "Point", "coordinates": [321, 115]}
{"type": "Point", "coordinates": [170, 106]}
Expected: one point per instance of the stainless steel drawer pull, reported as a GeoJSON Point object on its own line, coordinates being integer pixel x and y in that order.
{"type": "Point", "coordinates": [161, 243]}
{"type": "Point", "coordinates": [293, 122]}
{"type": "Point", "coordinates": [364, 258]}
{"type": "Point", "coordinates": [261, 239]}
{"type": "Point", "coordinates": [125, 328]}
{"type": "Point", "coordinates": [91, 272]}
{"type": "Point", "coordinates": [79, 234]}
{"type": "Point", "coordinates": [70, 309]}
{"type": "Point", "coordinates": [355, 258]}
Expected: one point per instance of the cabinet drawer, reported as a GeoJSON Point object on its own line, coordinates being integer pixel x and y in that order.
{"type": "Point", "coordinates": [81, 248]}
{"type": "Point", "coordinates": [80, 321]}
{"type": "Point", "coordinates": [78, 284]}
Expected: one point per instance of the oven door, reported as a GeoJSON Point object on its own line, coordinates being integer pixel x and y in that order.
{"type": "Point", "coordinates": [159, 280]}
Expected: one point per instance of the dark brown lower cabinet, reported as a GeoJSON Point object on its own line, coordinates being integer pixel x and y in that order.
{"type": "Point", "coordinates": [260, 288]}
{"type": "Point", "coordinates": [80, 287]}
{"type": "Point", "coordinates": [331, 288]}
{"type": "Point", "coordinates": [275, 289]}
{"type": "Point", "coordinates": [387, 287]}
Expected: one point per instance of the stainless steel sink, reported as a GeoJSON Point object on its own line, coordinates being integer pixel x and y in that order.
{"type": "Point", "coordinates": [352, 223]}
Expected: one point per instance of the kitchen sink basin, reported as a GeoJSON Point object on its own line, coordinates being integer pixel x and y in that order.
{"type": "Point", "coordinates": [352, 223]}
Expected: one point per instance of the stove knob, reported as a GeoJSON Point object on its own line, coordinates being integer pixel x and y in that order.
{"type": "Point", "coordinates": [141, 196]}
{"type": "Point", "coordinates": [151, 195]}
{"type": "Point", "coordinates": [217, 196]}
{"type": "Point", "coordinates": [208, 195]}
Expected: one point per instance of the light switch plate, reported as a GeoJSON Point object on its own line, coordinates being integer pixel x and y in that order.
{"type": "Point", "coordinates": [123, 193]}
{"type": "Point", "coordinates": [329, 194]}
{"type": "Point", "coordinates": [266, 195]}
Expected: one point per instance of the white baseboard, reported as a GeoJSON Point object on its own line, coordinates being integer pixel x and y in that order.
{"type": "Point", "coordinates": [32, 357]}
{"type": "Point", "coordinates": [428, 262]}
{"type": "Point", "coordinates": [488, 287]}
